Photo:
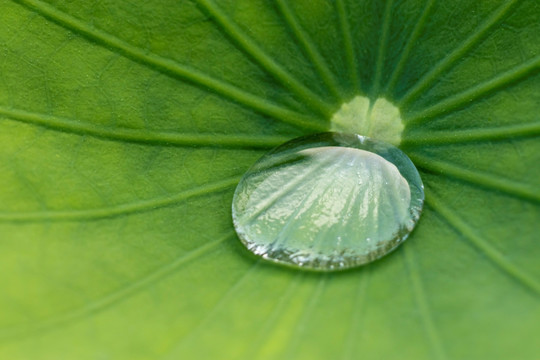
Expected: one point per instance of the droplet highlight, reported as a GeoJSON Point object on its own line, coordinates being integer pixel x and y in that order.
{"type": "Point", "coordinates": [328, 201]}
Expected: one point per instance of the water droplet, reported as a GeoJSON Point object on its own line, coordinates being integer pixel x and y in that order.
{"type": "Point", "coordinates": [328, 201]}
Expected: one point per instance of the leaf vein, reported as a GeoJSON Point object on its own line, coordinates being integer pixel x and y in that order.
{"type": "Point", "coordinates": [171, 67]}
{"type": "Point", "coordinates": [495, 256]}
{"type": "Point", "coordinates": [271, 321]}
{"type": "Point", "coordinates": [357, 322]}
{"type": "Point", "coordinates": [141, 136]}
{"type": "Point", "coordinates": [470, 135]}
{"type": "Point", "coordinates": [250, 47]}
{"type": "Point", "coordinates": [457, 54]}
{"type": "Point", "coordinates": [381, 52]}
{"type": "Point", "coordinates": [467, 97]}
{"type": "Point", "coordinates": [408, 47]}
{"type": "Point", "coordinates": [213, 311]}
{"type": "Point", "coordinates": [348, 44]}
{"type": "Point", "coordinates": [423, 306]}
{"type": "Point", "coordinates": [478, 178]}
{"type": "Point", "coordinates": [112, 298]}
{"type": "Point", "coordinates": [299, 329]}
{"type": "Point", "coordinates": [122, 209]}
{"type": "Point", "coordinates": [310, 49]}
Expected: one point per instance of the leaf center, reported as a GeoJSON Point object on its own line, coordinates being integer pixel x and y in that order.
{"type": "Point", "coordinates": [379, 119]}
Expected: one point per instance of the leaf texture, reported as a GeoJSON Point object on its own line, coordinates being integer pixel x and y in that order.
{"type": "Point", "coordinates": [125, 126]}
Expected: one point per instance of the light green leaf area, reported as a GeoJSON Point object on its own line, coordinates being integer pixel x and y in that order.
{"type": "Point", "coordinates": [126, 125]}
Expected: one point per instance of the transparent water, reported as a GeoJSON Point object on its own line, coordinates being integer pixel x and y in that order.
{"type": "Point", "coordinates": [328, 201]}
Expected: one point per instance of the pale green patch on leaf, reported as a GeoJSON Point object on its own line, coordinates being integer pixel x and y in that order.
{"type": "Point", "coordinates": [379, 120]}
{"type": "Point", "coordinates": [125, 126]}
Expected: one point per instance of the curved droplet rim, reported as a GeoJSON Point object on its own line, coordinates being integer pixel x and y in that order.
{"type": "Point", "coordinates": [387, 151]}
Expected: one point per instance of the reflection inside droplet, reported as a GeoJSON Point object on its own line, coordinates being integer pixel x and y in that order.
{"type": "Point", "coordinates": [328, 201]}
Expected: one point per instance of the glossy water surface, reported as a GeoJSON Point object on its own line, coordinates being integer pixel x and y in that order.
{"type": "Point", "coordinates": [328, 201]}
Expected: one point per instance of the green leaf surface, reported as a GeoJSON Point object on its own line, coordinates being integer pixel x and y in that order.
{"type": "Point", "coordinates": [125, 126]}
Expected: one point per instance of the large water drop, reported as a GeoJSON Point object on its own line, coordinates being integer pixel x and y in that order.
{"type": "Point", "coordinates": [328, 201]}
